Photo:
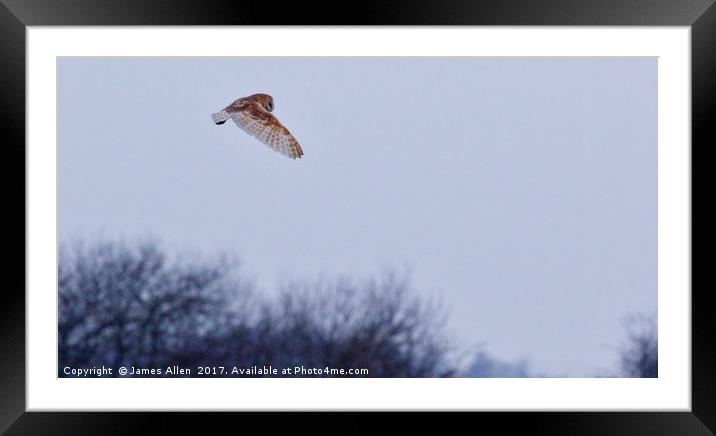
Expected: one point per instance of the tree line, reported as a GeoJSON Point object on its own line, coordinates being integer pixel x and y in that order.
{"type": "Point", "coordinates": [132, 305]}
{"type": "Point", "coordinates": [122, 305]}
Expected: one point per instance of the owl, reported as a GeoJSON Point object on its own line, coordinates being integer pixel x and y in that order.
{"type": "Point", "coordinates": [253, 114]}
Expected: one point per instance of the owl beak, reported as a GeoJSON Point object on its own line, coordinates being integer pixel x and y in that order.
{"type": "Point", "coordinates": [220, 122]}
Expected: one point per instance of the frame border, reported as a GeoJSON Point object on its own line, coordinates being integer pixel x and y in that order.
{"type": "Point", "coordinates": [16, 15]}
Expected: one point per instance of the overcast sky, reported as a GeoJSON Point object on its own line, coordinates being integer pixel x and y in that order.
{"type": "Point", "coordinates": [521, 191]}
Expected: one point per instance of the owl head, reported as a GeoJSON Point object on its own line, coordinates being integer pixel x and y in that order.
{"type": "Point", "coordinates": [265, 100]}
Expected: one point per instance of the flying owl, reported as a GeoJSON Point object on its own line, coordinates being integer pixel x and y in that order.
{"type": "Point", "coordinates": [253, 114]}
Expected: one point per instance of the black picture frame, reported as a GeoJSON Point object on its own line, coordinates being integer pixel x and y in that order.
{"type": "Point", "coordinates": [16, 15]}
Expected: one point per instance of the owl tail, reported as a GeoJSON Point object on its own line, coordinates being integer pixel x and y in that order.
{"type": "Point", "coordinates": [220, 117]}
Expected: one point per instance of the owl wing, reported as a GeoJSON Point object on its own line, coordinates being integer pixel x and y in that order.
{"type": "Point", "coordinates": [258, 122]}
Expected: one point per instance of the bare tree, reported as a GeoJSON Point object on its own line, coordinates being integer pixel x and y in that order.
{"type": "Point", "coordinates": [376, 324]}
{"type": "Point", "coordinates": [640, 356]}
{"type": "Point", "coordinates": [123, 306]}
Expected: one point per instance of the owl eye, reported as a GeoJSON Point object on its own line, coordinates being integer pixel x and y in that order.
{"type": "Point", "coordinates": [270, 106]}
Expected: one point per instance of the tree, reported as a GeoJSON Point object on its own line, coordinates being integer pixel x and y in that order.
{"type": "Point", "coordinates": [640, 357]}
{"type": "Point", "coordinates": [375, 324]}
{"type": "Point", "coordinates": [122, 306]}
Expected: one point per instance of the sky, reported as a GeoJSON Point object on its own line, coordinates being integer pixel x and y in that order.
{"type": "Point", "coordinates": [521, 192]}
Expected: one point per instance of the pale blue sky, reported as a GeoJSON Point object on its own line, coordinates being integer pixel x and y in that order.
{"type": "Point", "coordinates": [521, 191]}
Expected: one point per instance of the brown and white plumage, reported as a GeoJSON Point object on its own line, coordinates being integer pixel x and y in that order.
{"type": "Point", "coordinates": [253, 115]}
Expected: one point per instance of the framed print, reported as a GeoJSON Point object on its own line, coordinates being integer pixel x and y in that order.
{"type": "Point", "coordinates": [472, 208]}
